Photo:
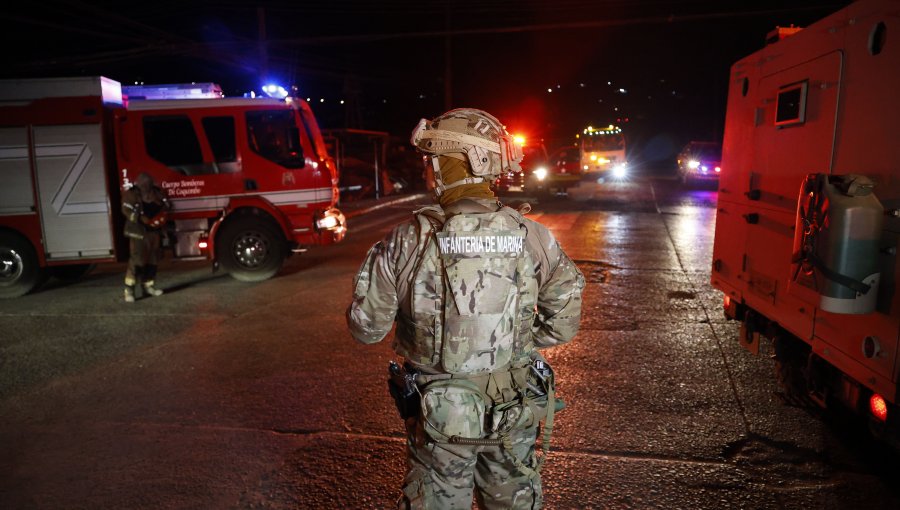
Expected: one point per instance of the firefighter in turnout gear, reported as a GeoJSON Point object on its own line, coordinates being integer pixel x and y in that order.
{"type": "Point", "coordinates": [475, 289]}
{"type": "Point", "coordinates": [145, 207]}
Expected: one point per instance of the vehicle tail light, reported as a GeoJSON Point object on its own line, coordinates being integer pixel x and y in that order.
{"type": "Point", "coordinates": [718, 169]}
{"type": "Point", "coordinates": [731, 308]}
{"type": "Point", "coordinates": [878, 407]}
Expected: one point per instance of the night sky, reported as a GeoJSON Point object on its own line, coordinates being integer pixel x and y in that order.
{"type": "Point", "coordinates": [547, 69]}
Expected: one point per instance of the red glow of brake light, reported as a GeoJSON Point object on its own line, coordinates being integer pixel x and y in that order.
{"type": "Point", "coordinates": [727, 301]}
{"type": "Point", "coordinates": [878, 407]}
{"type": "Point", "coordinates": [718, 169]}
{"type": "Point", "coordinates": [203, 245]}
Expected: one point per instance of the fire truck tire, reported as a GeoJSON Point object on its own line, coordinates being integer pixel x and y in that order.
{"type": "Point", "coordinates": [250, 249]}
{"type": "Point", "coordinates": [790, 371]}
{"type": "Point", "coordinates": [20, 272]}
{"type": "Point", "coordinates": [71, 273]}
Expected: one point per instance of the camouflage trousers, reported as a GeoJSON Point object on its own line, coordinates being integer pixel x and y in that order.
{"type": "Point", "coordinates": [446, 476]}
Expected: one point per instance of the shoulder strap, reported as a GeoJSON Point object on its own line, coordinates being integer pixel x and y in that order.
{"type": "Point", "coordinates": [434, 217]}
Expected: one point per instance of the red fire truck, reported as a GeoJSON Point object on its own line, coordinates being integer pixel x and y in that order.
{"type": "Point", "coordinates": [808, 220]}
{"type": "Point", "coordinates": [250, 180]}
{"type": "Point", "coordinates": [603, 152]}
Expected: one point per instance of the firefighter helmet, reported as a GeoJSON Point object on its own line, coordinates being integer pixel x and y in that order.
{"type": "Point", "coordinates": [471, 135]}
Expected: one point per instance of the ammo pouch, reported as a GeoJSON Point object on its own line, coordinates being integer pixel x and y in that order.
{"type": "Point", "coordinates": [453, 408]}
{"type": "Point", "coordinates": [531, 410]}
{"type": "Point", "coordinates": [493, 404]}
{"type": "Point", "coordinates": [458, 410]}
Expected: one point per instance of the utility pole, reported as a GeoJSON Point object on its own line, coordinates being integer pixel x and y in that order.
{"type": "Point", "coordinates": [448, 60]}
{"type": "Point", "coordinates": [262, 45]}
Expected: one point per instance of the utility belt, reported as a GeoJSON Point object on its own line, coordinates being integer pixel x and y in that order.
{"type": "Point", "coordinates": [480, 409]}
{"type": "Point", "coordinates": [498, 381]}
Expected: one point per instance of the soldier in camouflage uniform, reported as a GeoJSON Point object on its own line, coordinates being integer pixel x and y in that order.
{"type": "Point", "coordinates": [475, 288]}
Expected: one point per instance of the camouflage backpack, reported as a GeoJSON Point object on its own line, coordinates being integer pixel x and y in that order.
{"type": "Point", "coordinates": [465, 303]}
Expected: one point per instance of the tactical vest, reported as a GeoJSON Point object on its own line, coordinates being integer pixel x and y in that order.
{"type": "Point", "coordinates": [472, 293]}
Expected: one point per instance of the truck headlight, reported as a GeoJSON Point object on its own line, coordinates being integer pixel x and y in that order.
{"type": "Point", "coordinates": [540, 173]}
{"type": "Point", "coordinates": [331, 219]}
{"type": "Point", "coordinates": [693, 164]}
{"type": "Point", "coordinates": [620, 171]}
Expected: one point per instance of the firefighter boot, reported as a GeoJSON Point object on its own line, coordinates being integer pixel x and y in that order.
{"type": "Point", "coordinates": [150, 290]}
{"type": "Point", "coordinates": [130, 281]}
{"type": "Point", "coordinates": [149, 275]}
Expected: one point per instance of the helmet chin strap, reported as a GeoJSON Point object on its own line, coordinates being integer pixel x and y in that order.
{"type": "Point", "coordinates": [440, 187]}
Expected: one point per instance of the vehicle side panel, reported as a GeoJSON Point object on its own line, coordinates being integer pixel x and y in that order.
{"type": "Point", "coordinates": [852, 115]}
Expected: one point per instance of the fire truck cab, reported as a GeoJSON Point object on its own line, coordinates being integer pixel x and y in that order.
{"type": "Point", "coordinates": [250, 180]}
{"type": "Point", "coordinates": [603, 151]}
{"type": "Point", "coordinates": [808, 222]}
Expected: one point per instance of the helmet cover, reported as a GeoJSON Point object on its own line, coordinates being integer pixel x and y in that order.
{"type": "Point", "coordinates": [472, 135]}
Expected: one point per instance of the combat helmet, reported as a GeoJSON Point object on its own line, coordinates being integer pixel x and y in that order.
{"type": "Point", "coordinates": [471, 135]}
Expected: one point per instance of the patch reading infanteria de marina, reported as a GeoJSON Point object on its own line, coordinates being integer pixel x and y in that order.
{"type": "Point", "coordinates": [493, 244]}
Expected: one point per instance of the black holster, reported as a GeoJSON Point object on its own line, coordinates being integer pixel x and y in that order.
{"type": "Point", "coordinates": [402, 386]}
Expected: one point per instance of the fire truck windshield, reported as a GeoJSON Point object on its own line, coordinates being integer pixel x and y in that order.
{"type": "Point", "coordinates": [612, 142]}
{"type": "Point", "coordinates": [274, 135]}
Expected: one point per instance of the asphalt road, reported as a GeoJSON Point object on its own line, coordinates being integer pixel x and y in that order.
{"type": "Point", "coordinates": [223, 394]}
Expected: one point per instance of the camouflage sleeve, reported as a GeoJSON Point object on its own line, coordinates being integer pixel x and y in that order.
{"type": "Point", "coordinates": [371, 314]}
{"type": "Point", "coordinates": [559, 299]}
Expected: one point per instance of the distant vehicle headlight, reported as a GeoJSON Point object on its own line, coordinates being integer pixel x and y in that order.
{"type": "Point", "coordinates": [541, 173]}
{"type": "Point", "coordinates": [620, 171]}
{"type": "Point", "coordinates": [693, 164]}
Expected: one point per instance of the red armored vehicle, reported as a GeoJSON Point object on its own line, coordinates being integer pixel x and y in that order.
{"type": "Point", "coordinates": [808, 222]}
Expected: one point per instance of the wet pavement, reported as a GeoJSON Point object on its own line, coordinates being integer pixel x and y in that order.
{"type": "Point", "coordinates": [222, 394]}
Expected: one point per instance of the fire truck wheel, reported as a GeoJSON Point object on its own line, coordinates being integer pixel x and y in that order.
{"type": "Point", "coordinates": [20, 272]}
{"type": "Point", "coordinates": [251, 249]}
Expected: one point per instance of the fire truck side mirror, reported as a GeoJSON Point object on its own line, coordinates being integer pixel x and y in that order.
{"type": "Point", "coordinates": [294, 144]}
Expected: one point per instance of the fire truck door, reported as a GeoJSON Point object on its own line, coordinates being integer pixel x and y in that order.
{"type": "Point", "coordinates": [16, 194]}
{"type": "Point", "coordinates": [73, 198]}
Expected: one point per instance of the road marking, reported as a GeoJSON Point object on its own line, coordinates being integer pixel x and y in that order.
{"type": "Point", "coordinates": [655, 203]}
